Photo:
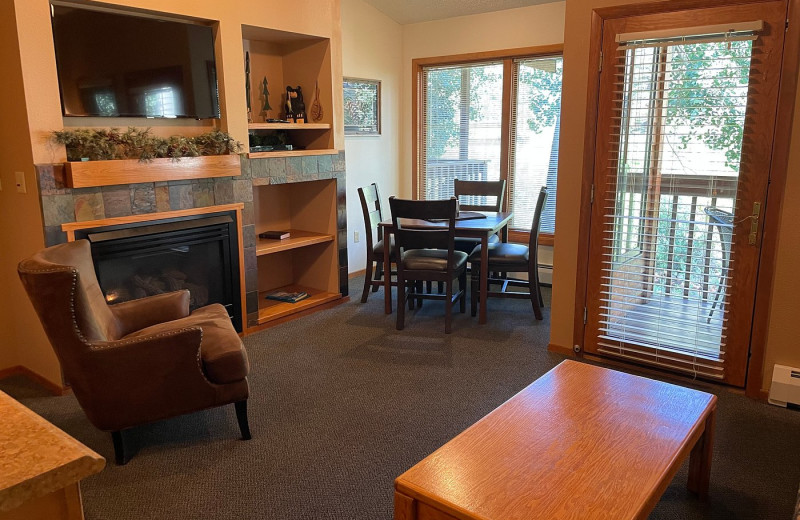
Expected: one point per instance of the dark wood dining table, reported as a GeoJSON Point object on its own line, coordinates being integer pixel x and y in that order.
{"type": "Point", "coordinates": [482, 228]}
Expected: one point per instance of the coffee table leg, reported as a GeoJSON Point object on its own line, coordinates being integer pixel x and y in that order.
{"type": "Point", "coordinates": [404, 507]}
{"type": "Point", "coordinates": [387, 273]}
{"type": "Point", "coordinates": [700, 458]}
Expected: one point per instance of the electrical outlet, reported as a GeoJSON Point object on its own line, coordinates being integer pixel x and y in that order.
{"type": "Point", "coordinates": [20, 180]}
{"type": "Point", "coordinates": [355, 237]}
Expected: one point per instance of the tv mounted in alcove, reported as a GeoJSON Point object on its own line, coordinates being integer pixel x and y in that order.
{"type": "Point", "coordinates": [119, 65]}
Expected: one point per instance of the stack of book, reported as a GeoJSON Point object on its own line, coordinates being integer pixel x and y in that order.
{"type": "Point", "coordinates": [290, 297]}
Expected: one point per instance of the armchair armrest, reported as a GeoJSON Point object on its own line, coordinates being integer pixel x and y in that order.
{"type": "Point", "coordinates": [137, 314]}
{"type": "Point", "coordinates": [143, 379]}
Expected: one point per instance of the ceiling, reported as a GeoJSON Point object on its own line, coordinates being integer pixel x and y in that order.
{"type": "Point", "coordinates": [413, 11]}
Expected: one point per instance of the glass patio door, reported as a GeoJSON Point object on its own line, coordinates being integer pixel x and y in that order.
{"type": "Point", "coordinates": [687, 112]}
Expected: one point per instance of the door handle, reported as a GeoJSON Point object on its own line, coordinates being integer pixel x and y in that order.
{"type": "Point", "coordinates": [754, 223]}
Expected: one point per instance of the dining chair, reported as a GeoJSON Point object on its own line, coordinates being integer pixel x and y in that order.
{"type": "Point", "coordinates": [469, 194]}
{"type": "Point", "coordinates": [427, 255]}
{"type": "Point", "coordinates": [373, 215]}
{"type": "Point", "coordinates": [513, 258]}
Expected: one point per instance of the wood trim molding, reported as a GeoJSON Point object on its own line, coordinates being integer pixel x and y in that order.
{"type": "Point", "coordinates": [130, 171]}
{"type": "Point", "coordinates": [520, 52]}
{"type": "Point", "coordinates": [19, 370]}
{"type": "Point", "coordinates": [70, 227]}
{"type": "Point", "coordinates": [523, 237]}
{"type": "Point", "coordinates": [587, 177]}
{"type": "Point", "coordinates": [558, 349]}
{"type": "Point", "coordinates": [658, 7]}
{"type": "Point", "coordinates": [781, 147]}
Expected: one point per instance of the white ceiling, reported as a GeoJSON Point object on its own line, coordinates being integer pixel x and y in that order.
{"type": "Point", "coordinates": [413, 11]}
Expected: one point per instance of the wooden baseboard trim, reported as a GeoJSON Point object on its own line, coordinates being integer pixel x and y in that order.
{"type": "Point", "coordinates": [301, 314]}
{"type": "Point", "coordinates": [356, 274]}
{"type": "Point", "coordinates": [558, 349]}
{"type": "Point", "coordinates": [42, 381]}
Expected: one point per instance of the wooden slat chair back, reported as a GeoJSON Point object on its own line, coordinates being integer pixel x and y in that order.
{"type": "Point", "coordinates": [513, 258]}
{"type": "Point", "coordinates": [425, 255]}
{"type": "Point", "coordinates": [495, 189]}
{"type": "Point", "coordinates": [373, 215]}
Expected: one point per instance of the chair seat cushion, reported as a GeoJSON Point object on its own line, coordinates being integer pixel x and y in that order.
{"type": "Point", "coordinates": [221, 351]}
{"type": "Point", "coordinates": [377, 248]}
{"type": "Point", "coordinates": [503, 255]}
{"type": "Point", "coordinates": [467, 244]}
{"type": "Point", "coordinates": [432, 260]}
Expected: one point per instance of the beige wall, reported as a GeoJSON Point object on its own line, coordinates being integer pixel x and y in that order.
{"type": "Point", "coordinates": [31, 107]}
{"type": "Point", "coordinates": [782, 345]}
{"type": "Point", "coordinates": [371, 49]}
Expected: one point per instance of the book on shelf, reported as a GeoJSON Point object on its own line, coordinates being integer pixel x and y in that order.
{"type": "Point", "coordinates": [274, 235]}
{"type": "Point", "coordinates": [290, 297]}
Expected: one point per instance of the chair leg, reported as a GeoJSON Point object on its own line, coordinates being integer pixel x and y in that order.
{"type": "Point", "coordinates": [473, 297]}
{"type": "Point", "coordinates": [441, 287]}
{"type": "Point", "coordinates": [241, 417]}
{"type": "Point", "coordinates": [533, 289]}
{"type": "Point", "coordinates": [120, 455]}
{"type": "Point", "coordinates": [401, 303]}
{"type": "Point", "coordinates": [448, 307]}
{"type": "Point", "coordinates": [418, 289]}
{"type": "Point", "coordinates": [367, 281]}
{"type": "Point", "coordinates": [378, 275]}
{"type": "Point", "coordinates": [462, 286]}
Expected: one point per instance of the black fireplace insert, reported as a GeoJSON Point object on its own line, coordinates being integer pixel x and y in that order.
{"type": "Point", "coordinates": [197, 253]}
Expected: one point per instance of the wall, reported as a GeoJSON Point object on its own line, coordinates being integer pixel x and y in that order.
{"type": "Point", "coordinates": [782, 346]}
{"type": "Point", "coordinates": [32, 110]}
{"type": "Point", "coordinates": [371, 49]}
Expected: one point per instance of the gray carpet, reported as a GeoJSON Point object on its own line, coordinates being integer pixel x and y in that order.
{"type": "Point", "coordinates": [342, 403]}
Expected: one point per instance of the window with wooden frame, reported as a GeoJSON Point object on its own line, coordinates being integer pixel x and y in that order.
{"type": "Point", "coordinates": [490, 116]}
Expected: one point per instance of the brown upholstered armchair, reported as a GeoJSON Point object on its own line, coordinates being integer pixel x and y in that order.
{"type": "Point", "coordinates": [139, 361]}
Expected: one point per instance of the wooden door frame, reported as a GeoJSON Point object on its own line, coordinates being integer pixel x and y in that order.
{"type": "Point", "coordinates": [778, 173]}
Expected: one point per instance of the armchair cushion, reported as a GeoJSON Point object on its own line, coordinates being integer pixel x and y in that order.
{"type": "Point", "coordinates": [138, 314]}
{"type": "Point", "coordinates": [221, 351]}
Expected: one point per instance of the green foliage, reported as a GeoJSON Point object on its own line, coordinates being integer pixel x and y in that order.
{"type": "Point", "coordinates": [541, 79]}
{"type": "Point", "coordinates": [708, 95]}
{"type": "Point", "coordinates": [135, 143]}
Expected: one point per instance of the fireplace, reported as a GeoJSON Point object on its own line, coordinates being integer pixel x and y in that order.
{"type": "Point", "coordinates": [199, 253]}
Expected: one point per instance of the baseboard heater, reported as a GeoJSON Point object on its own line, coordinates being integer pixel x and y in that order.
{"type": "Point", "coordinates": [785, 388]}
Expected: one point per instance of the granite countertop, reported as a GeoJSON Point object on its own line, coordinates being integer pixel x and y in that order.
{"type": "Point", "coordinates": [36, 458]}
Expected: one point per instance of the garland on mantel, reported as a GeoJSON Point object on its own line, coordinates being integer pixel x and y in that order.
{"type": "Point", "coordinates": [110, 144]}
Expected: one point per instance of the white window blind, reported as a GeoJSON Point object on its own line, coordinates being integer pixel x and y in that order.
{"type": "Point", "coordinates": [535, 124]}
{"type": "Point", "coordinates": [678, 124]}
{"type": "Point", "coordinates": [461, 126]}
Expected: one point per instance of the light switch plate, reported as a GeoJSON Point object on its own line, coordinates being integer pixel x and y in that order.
{"type": "Point", "coordinates": [20, 180]}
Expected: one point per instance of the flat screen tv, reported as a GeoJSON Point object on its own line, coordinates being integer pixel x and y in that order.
{"type": "Point", "coordinates": [119, 65]}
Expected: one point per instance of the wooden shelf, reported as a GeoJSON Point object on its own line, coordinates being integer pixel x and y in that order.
{"type": "Point", "coordinates": [289, 126]}
{"type": "Point", "coordinates": [89, 174]}
{"type": "Point", "coordinates": [298, 238]}
{"type": "Point", "coordinates": [291, 153]}
{"type": "Point", "coordinates": [269, 310]}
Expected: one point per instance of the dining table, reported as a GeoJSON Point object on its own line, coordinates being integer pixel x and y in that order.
{"type": "Point", "coordinates": [492, 222]}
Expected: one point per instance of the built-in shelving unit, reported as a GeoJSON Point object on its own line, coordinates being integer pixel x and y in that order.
{"type": "Point", "coordinates": [293, 59]}
{"type": "Point", "coordinates": [297, 238]}
{"type": "Point", "coordinates": [290, 153]}
{"type": "Point", "coordinates": [289, 126]}
{"type": "Point", "coordinates": [307, 260]}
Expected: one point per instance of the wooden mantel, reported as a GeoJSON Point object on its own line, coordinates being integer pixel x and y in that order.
{"type": "Point", "coordinates": [88, 174]}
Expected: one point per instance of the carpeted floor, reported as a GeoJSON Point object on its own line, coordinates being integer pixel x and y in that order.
{"type": "Point", "coordinates": [341, 403]}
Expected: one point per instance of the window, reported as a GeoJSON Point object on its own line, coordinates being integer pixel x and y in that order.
{"type": "Point", "coordinates": [475, 124]}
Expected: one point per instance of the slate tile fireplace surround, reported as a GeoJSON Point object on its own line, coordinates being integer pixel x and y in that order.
{"type": "Point", "coordinates": [61, 204]}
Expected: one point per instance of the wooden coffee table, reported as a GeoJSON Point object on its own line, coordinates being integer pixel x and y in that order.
{"type": "Point", "coordinates": [580, 442]}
